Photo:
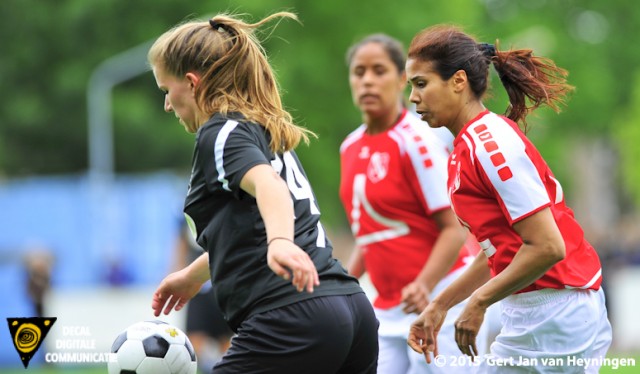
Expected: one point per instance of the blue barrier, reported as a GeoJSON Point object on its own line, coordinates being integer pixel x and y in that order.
{"type": "Point", "coordinates": [121, 233]}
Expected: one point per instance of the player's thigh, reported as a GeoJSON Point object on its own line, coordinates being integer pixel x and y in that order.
{"type": "Point", "coordinates": [562, 325]}
{"type": "Point", "coordinates": [392, 358]}
{"type": "Point", "coordinates": [604, 335]}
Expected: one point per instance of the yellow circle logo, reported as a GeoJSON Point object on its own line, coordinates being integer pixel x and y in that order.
{"type": "Point", "coordinates": [27, 337]}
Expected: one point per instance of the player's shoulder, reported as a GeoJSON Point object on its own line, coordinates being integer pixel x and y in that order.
{"type": "Point", "coordinates": [494, 139]}
{"type": "Point", "coordinates": [489, 130]}
{"type": "Point", "coordinates": [220, 127]}
{"type": "Point", "coordinates": [352, 138]}
{"type": "Point", "coordinates": [489, 125]}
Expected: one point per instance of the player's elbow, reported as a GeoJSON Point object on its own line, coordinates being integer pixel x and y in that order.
{"type": "Point", "coordinates": [554, 251]}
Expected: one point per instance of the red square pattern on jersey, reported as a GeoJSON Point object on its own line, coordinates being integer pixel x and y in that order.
{"type": "Point", "coordinates": [496, 178]}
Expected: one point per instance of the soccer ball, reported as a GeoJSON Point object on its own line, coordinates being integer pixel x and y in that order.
{"type": "Point", "coordinates": [152, 347]}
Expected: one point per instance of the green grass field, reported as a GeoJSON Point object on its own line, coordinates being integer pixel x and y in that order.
{"type": "Point", "coordinates": [102, 370]}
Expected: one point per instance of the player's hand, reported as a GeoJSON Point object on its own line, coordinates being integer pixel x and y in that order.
{"type": "Point", "coordinates": [415, 297]}
{"type": "Point", "coordinates": [467, 326]}
{"type": "Point", "coordinates": [424, 331]}
{"type": "Point", "coordinates": [285, 259]}
{"type": "Point", "coordinates": [173, 292]}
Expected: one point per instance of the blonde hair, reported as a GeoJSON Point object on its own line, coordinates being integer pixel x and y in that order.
{"type": "Point", "coordinates": [235, 72]}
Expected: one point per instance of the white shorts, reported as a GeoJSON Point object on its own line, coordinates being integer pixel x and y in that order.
{"type": "Point", "coordinates": [551, 331]}
{"type": "Point", "coordinates": [396, 357]}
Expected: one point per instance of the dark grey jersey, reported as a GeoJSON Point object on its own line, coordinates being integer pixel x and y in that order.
{"type": "Point", "coordinates": [228, 225]}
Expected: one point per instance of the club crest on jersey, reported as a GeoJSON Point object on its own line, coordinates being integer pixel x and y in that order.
{"type": "Point", "coordinates": [378, 167]}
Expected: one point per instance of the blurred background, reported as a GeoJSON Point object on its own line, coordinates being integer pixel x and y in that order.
{"type": "Point", "coordinates": [93, 173]}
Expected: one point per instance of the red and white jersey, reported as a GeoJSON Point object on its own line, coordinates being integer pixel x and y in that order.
{"type": "Point", "coordinates": [496, 178]}
{"type": "Point", "coordinates": [391, 183]}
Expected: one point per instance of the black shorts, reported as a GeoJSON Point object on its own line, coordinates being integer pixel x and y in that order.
{"type": "Point", "coordinates": [323, 335]}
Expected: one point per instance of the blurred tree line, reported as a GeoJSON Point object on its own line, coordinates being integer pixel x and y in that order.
{"type": "Point", "coordinates": [50, 49]}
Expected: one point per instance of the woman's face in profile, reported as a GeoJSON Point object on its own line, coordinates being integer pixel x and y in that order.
{"type": "Point", "coordinates": [179, 97]}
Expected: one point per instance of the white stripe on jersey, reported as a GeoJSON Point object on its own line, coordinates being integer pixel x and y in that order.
{"type": "Point", "coordinates": [471, 147]}
{"type": "Point", "coordinates": [218, 151]}
{"type": "Point", "coordinates": [559, 193]}
{"type": "Point", "coordinates": [396, 228]}
{"type": "Point", "coordinates": [488, 248]}
{"type": "Point", "coordinates": [321, 239]}
{"type": "Point", "coordinates": [353, 137]}
{"type": "Point", "coordinates": [591, 282]}
{"type": "Point", "coordinates": [502, 155]}
{"type": "Point", "coordinates": [432, 178]}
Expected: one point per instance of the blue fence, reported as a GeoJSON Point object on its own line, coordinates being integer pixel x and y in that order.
{"type": "Point", "coordinates": [119, 233]}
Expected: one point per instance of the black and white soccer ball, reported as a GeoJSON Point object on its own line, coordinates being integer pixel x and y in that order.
{"type": "Point", "coordinates": [152, 347]}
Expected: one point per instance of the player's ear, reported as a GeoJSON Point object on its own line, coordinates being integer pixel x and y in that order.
{"type": "Point", "coordinates": [193, 79]}
{"type": "Point", "coordinates": [458, 80]}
